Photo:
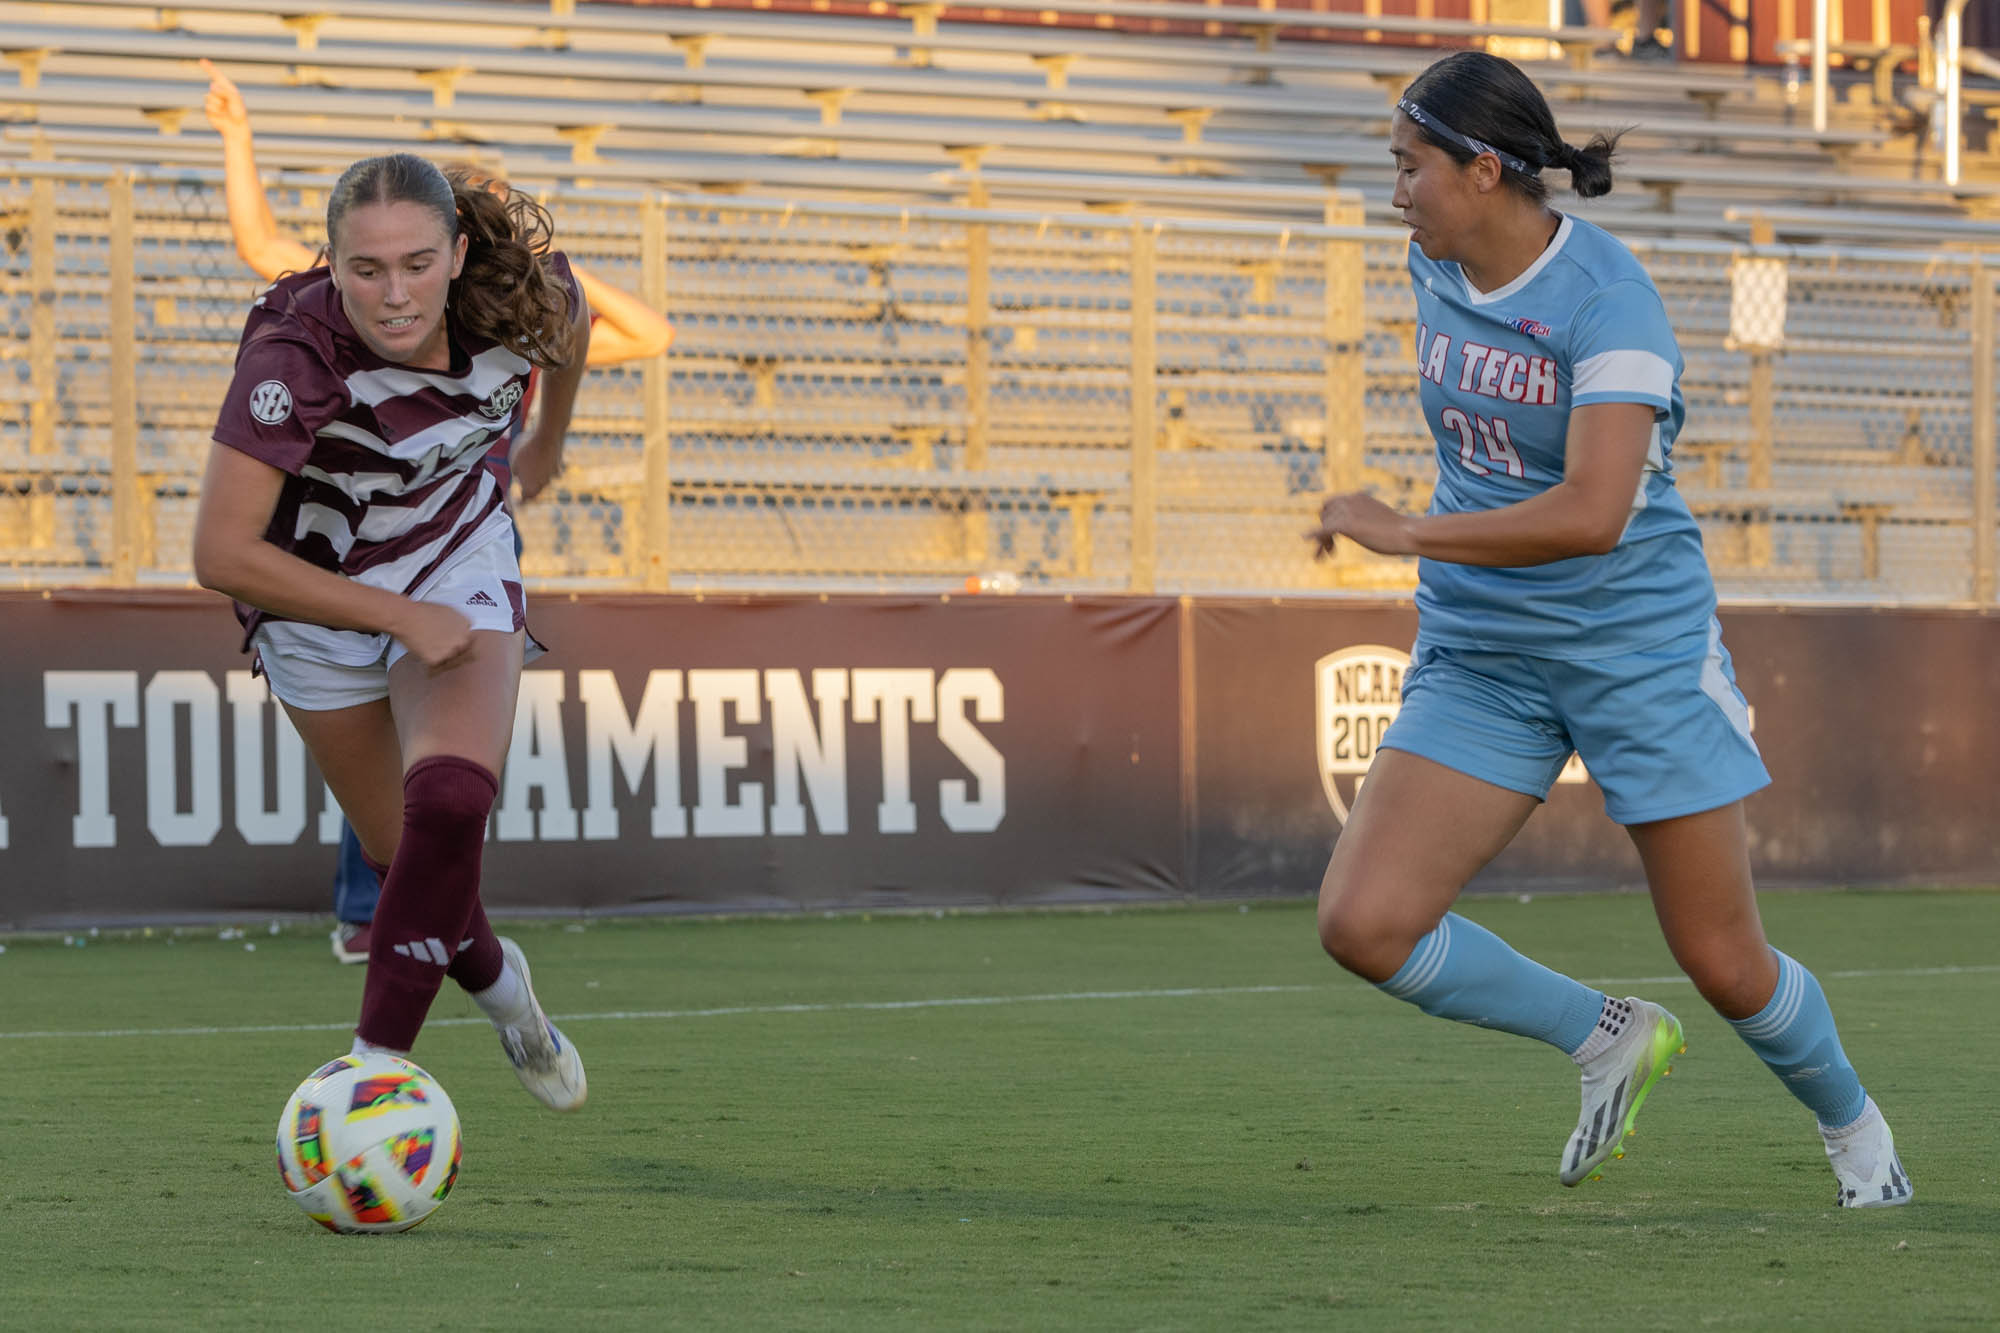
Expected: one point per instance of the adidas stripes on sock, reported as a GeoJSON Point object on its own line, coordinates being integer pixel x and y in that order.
{"type": "Point", "coordinates": [1795, 1036]}
{"type": "Point", "coordinates": [1466, 973]}
{"type": "Point", "coordinates": [478, 964]}
{"type": "Point", "coordinates": [429, 898]}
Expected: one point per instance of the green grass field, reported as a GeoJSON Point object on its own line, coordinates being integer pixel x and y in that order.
{"type": "Point", "coordinates": [1145, 1119]}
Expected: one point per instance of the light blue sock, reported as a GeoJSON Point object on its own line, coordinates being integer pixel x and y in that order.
{"type": "Point", "coordinates": [1466, 973]}
{"type": "Point", "coordinates": [1795, 1036]}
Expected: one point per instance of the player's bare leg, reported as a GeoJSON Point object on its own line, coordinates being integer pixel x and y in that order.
{"type": "Point", "coordinates": [357, 752]}
{"type": "Point", "coordinates": [1698, 867]}
{"type": "Point", "coordinates": [1419, 831]}
{"type": "Point", "coordinates": [462, 719]}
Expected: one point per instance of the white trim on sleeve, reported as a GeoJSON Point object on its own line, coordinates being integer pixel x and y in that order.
{"type": "Point", "coordinates": [1624, 371]}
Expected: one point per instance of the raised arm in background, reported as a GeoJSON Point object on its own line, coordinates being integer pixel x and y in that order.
{"type": "Point", "coordinates": [627, 329]}
{"type": "Point", "coordinates": [261, 245]}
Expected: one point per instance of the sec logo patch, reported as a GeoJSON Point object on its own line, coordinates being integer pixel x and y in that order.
{"type": "Point", "coordinates": [271, 402]}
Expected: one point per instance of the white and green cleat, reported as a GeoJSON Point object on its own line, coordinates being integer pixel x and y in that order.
{"type": "Point", "coordinates": [1615, 1085]}
{"type": "Point", "coordinates": [1866, 1171]}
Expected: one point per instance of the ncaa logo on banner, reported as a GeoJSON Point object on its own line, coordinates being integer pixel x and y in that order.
{"type": "Point", "coordinates": [1358, 692]}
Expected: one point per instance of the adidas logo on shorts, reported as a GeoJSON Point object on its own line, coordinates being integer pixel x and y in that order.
{"type": "Point", "coordinates": [481, 599]}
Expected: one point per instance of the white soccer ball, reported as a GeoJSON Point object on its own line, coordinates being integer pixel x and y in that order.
{"type": "Point", "coordinates": [368, 1143]}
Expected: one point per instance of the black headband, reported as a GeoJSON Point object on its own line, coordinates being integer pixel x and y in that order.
{"type": "Point", "coordinates": [1469, 144]}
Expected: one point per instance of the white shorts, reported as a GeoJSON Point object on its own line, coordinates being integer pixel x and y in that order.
{"type": "Point", "coordinates": [317, 669]}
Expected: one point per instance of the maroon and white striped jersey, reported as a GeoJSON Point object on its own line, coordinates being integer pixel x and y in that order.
{"type": "Point", "coordinates": [385, 481]}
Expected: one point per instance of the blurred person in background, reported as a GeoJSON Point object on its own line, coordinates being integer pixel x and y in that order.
{"type": "Point", "coordinates": [1649, 18]}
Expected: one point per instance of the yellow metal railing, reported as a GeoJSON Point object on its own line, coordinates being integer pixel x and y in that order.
{"type": "Point", "coordinates": [871, 397]}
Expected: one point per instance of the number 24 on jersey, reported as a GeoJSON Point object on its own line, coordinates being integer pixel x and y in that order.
{"type": "Point", "coordinates": [1479, 435]}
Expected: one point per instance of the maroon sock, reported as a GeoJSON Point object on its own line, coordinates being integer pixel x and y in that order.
{"type": "Point", "coordinates": [381, 871]}
{"type": "Point", "coordinates": [427, 896]}
{"type": "Point", "coordinates": [479, 962]}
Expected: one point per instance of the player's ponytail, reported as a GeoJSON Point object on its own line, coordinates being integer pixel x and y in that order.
{"type": "Point", "coordinates": [1471, 103]}
{"type": "Point", "coordinates": [505, 290]}
{"type": "Point", "coordinates": [1589, 167]}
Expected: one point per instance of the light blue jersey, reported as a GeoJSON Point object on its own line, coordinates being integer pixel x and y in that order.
{"type": "Point", "coordinates": [1499, 372]}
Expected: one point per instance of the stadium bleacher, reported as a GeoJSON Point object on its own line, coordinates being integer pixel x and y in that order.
{"type": "Point", "coordinates": [493, 79]}
{"type": "Point", "coordinates": [828, 425]}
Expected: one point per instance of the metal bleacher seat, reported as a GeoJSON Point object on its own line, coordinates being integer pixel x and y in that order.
{"type": "Point", "coordinates": [702, 34]}
{"type": "Point", "coordinates": [1671, 183]}
{"type": "Point", "coordinates": [642, 124]}
{"type": "Point", "coordinates": [816, 403]}
{"type": "Point", "coordinates": [562, 20]}
{"type": "Point", "coordinates": [527, 84]}
{"type": "Point", "coordinates": [1900, 227]}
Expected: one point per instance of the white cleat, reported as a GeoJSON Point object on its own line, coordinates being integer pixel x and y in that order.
{"type": "Point", "coordinates": [1615, 1084]}
{"type": "Point", "coordinates": [545, 1062]}
{"type": "Point", "coordinates": [1866, 1171]}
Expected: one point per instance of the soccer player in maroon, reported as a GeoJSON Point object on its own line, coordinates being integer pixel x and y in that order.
{"type": "Point", "coordinates": [371, 556]}
{"type": "Point", "coordinates": [623, 329]}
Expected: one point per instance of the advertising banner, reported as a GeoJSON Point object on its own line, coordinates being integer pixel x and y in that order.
{"type": "Point", "coordinates": [687, 753]}
{"type": "Point", "coordinates": [670, 753]}
{"type": "Point", "coordinates": [1878, 727]}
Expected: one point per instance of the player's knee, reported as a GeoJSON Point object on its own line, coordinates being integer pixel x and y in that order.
{"type": "Point", "coordinates": [1363, 941]}
{"type": "Point", "coordinates": [1735, 980]}
{"type": "Point", "coordinates": [445, 791]}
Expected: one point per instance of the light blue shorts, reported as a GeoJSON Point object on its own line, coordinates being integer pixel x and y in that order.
{"type": "Point", "coordinates": [1665, 732]}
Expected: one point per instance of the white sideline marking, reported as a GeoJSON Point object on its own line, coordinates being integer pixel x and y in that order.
{"type": "Point", "coordinates": [940, 1002]}
{"type": "Point", "coordinates": [1852, 974]}
{"type": "Point", "coordinates": [631, 1015]}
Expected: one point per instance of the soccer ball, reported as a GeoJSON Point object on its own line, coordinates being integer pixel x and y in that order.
{"type": "Point", "coordinates": [368, 1143]}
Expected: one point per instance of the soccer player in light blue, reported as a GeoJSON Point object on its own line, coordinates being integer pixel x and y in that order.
{"type": "Point", "coordinates": [1563, 604]}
